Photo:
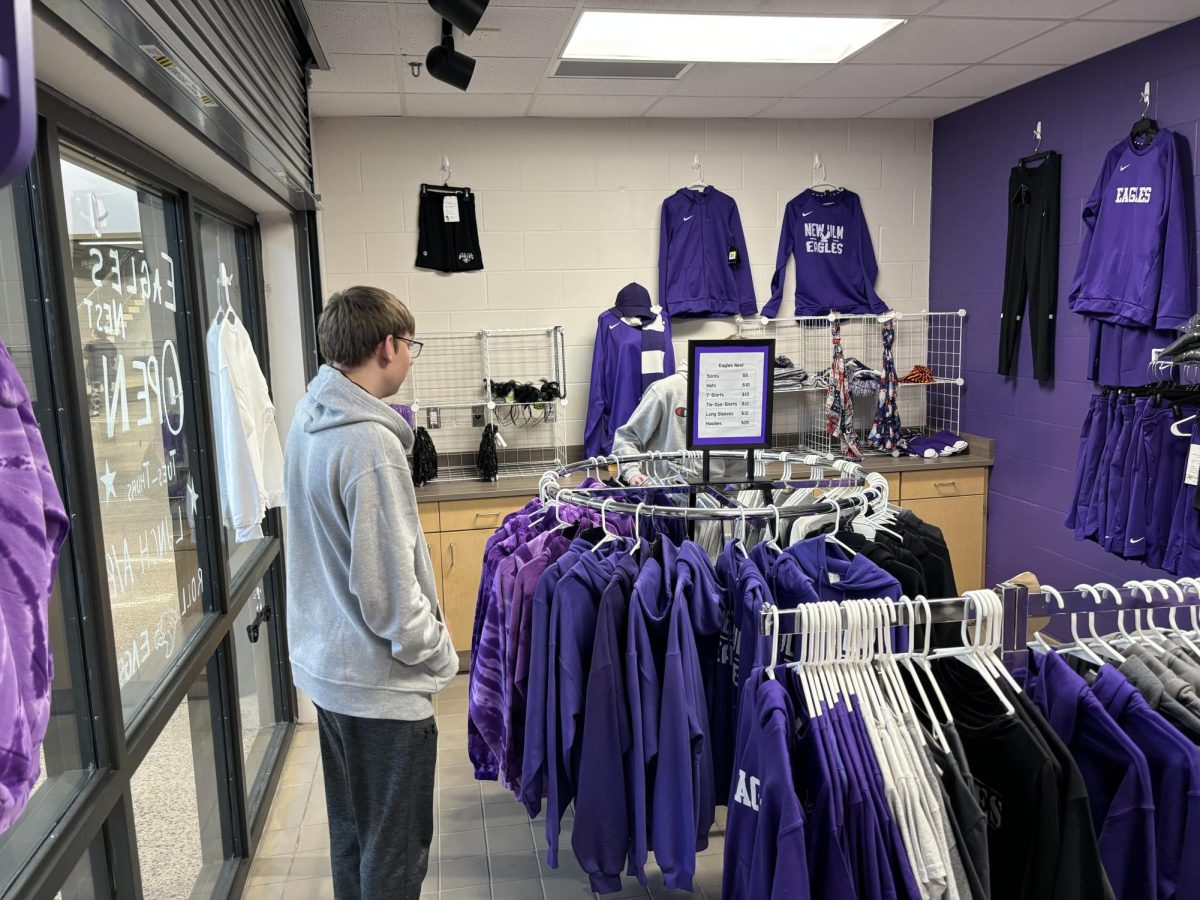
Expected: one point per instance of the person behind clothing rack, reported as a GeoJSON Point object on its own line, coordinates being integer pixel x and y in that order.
{"type": "Point", "coordinates": [659, 423]}
{"type": "Point", "coordinates": [368, 641]}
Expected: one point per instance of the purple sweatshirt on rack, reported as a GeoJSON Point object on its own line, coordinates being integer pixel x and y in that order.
{"type": "Point", "coordinates": [1113, 768]}
{"type": "Point", "coordinates": [835, 576]}
{"type": "Point", "coordinates": [835, 262]}
{"type": "Point", "coordinates": [697, 277]}
{"type": "Point", "coordinates": [765, 852]}
{"type": "Point", "coordinates": [1135, 264]}
{"type": "Point", "coordinates": [1174, 764]}
{"type": "Point", "coordinates": [35, 527]}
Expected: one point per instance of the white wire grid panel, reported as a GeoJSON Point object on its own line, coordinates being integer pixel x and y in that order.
{"type": "Point", "coordinates": [449, 385]}
{"type": "Point", "coordinates": [932, 339]}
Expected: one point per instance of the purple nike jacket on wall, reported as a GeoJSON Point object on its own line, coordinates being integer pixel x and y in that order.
{"type": "Point", "coordinates": [765, 852]}
{"type": "Point", "coordinates": [703, 266]}
{"type": "Point", "coordinates": [835, 262]}
{"type": "Point", "coordinates": [1135, 264]}
{"type": "Point", "coordinates": [36, 526]}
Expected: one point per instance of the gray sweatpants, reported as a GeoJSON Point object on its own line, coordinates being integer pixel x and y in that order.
{"type": "Point", "coordinates": [379, 791]}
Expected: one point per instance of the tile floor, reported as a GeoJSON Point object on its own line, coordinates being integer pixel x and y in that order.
{"type": "Point", "coordinates": [484, 848]}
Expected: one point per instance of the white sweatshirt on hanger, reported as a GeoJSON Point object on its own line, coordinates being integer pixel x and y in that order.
{"type": "Point", "coordinates": [249, 456]}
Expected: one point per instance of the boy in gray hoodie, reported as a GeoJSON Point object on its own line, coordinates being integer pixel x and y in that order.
{"type": "Point", "coordinates": [367, 639]}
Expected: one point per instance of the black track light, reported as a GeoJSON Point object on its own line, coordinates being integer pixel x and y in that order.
{"type": "Point", "coordinates": [465, 14]}
{"type": "Point", "coordinates": [447, 64]}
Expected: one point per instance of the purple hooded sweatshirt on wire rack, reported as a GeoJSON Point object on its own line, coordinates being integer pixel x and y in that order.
{"type": "Point", "coordinates": [703, 266]}
{"type": "Point", "coordinates": [35, 526]}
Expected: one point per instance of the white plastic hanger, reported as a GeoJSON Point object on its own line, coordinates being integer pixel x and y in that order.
{"type": "Point", "coordinates": [1176, 632]}
{"type": "Point", "coordinates": [1104, 645]}
{"type": "Point", "coordinates": [699, 184]}
{"type": "Point", "coordinates": [939, 736]}
{"type": "Point", "coordinates": [970, 651]}
{"type": "Point", "coordinates": [609, 536]}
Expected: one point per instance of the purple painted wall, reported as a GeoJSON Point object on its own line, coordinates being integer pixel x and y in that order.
{"type": "Point", "coordinates": [1085, 110]}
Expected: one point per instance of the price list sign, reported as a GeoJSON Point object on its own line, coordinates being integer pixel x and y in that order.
{"type": "Point", "coordinates": [730, 394]}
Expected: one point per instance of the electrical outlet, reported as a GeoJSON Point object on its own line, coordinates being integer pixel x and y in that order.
{"type": "Point", "coordinates": [433, 417]}
{"type": "Point", "coordinates": [477, 416]}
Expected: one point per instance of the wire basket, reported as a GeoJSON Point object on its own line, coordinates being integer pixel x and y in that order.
{"type": "Point", "coordinates": [449, 392]}
{"type": "Point", "coordinates": [932, 339]}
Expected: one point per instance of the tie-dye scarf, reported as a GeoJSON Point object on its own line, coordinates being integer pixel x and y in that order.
{"type": "Point", "coordinates": [885, 430]}
{"type": "Point", "coordinates": [839, 405]}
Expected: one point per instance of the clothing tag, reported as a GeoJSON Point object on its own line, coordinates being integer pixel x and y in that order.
{"type": "Point", "coordinates": [833, 577]}
{"type": "Point", "coordinates": [450, 208]}
{"type": "Point", "coordinates": [1192, 475]}
{"type": "Point", "coordinates": [653, 361]}
{"type": "Point", "coordinates": [734, 257]}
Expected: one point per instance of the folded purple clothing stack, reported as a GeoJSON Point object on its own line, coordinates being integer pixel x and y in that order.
{"type": "Point", "coordinates": [944, 443]}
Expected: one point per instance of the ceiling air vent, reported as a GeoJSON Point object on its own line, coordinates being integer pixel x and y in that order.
{"type": "Point", "coordinates": [586, 68]}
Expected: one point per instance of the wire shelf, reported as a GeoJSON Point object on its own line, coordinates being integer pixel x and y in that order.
{"type": "Point", "coordinates": [449, 392]}
{"type": "Point", "coordinates": [931, 339]}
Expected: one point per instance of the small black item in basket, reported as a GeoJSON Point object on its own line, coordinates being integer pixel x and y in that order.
{"type": "Point", "coordinates": [550, 391]}
{"type": "Point", "coordinates": [424, 458]}
{"type": "Point", "coordinates": [486, 461]}
{"type": "Point", "coordinates": [526, 393]}
{"type": "Point", "coordinates": [501, 390]}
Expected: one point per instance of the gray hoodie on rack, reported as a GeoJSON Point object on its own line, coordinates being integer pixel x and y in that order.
{"type": "Point", "coordinates": [365, 632]}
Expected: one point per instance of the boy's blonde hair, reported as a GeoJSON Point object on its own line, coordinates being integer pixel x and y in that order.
{"type": "Point", "coordinates": [355, 320]}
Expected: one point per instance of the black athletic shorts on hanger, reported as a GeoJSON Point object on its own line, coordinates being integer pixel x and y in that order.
{"type": "Point", "coordinates": [447, 235]}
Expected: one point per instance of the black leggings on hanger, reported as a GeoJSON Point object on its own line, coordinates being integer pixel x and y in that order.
{"type": "Point", "coordinates": [1031, 265]}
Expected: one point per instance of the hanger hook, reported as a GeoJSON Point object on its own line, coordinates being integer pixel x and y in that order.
{"type": "Point", "coordinates": [447, 171]}
{"type": "Point", "coordinates": [1145, 99]}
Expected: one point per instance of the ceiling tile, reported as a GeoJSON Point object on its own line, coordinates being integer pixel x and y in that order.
{"type": "Point", "coordinates": [589, 107]}
{"type": "Point", "coordinates": [709, 107]}
{"type": "Point", "coordinates": [681, 6]}
{"type": "Point", "coordinates": [985, 81]}
{"type": "Point", "coordinates": [747, 79]}
{"type": "Point", "coordinates": [346, 26]}
{"type": "Point", "coordinates": [921, 107]}
{"type": "Point", "coordinates": [1148, 10]}
{"type": "Point", "coordinates": [848, 7]}
{"type": "Point", "coordinates": [458, 105]}
{"type": "Point", "coordinates": [331, 104]}
{"type": "Point", "coordinates": [1077, 41]}
{"type": "Point", "coordinates": [926, 40]}
{"type": "Point", "coordinates": [352, 73]}
{"type": "Point", "coordinates": [849, 80]}
{"type": "Point", "coordinates": [507, 31]}
{"type": "Point", "coordinates": [817, 108]}
{"type": "Point", "coordinates": [493, 75]}
{"type": "Point", "coordinates": [1016, 9]}
{"type": "Point", "coordinates": [649, 87]}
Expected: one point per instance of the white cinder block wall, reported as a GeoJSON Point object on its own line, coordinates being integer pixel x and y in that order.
{"type": "Point", "coordinates": [569, 211]}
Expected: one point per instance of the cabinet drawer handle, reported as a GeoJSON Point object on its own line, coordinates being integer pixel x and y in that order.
{"type": "Point", "coordinates": [452, 554]}
{"type": "Point", "coordinates": [945, 484]}
{"type": "Point", "coordinates": [491, 515]}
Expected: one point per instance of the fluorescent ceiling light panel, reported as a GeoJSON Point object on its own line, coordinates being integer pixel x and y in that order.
{"type": "Point", "coordinates": [603, 34]}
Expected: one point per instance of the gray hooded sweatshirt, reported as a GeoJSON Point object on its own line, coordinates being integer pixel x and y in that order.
{"type": "Point", "coordinates": [365, 631]}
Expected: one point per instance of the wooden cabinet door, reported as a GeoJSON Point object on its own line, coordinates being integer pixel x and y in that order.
{"type": "Point", "coordinates": [963, 521]}
{"type": "Point", "coordinates": [434, 543]}
{"type": "Point", "coordinates": [462, 566]}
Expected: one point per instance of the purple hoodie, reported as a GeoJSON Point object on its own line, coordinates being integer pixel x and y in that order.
{"type": "Point", "coordinates": [1135, 266]}
{"type": "Point", "coordinates": [835, 262]}
{"type": "Point", "coordinates": [838, 577]}
{"type": "Point", "coordinates": [1114, 769]}
{"type": "Point", "coordinates": [1175, 778]}
{"type": "Point", "coordinates": [35, 526]}
{"type": "Point", "coordinates": [765, 853]}
{"type": "Point", "coordinates": [698, 279]}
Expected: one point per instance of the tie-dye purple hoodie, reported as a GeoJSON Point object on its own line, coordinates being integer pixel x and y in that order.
{"type": "Point", "coordinates": [33, 526]}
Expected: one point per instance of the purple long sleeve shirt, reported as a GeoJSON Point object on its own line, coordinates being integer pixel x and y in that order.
{"type": "Point", "coordinates": [35, 527]}
{"type": "Point", "coordinates": [1113, 768]}
{"type": "Point", "coordinates": [1135, 264]}
{"type": "Point", "coordinates": [835, 262]}
{"type": "Point", "coordinates": [765, 851]}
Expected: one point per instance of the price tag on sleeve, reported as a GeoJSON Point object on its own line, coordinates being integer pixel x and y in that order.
{"type": "Point", "coordinates": [450, 208]}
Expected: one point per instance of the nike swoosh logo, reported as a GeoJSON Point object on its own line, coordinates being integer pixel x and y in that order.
{"type": "Point", "coordinates": [809, 213]}
{"type": "Point", "coordinates": [692, 216]}
{"type": "Point", "coordinates": [1138, 541]}
{"type": "Point", "coordinates": [1126, 166]}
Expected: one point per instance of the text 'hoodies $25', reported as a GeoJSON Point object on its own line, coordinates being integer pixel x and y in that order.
{"type": "Point", "coordinates": [695, 277]}
{"type": "Point", "coordinates": [364, 628]}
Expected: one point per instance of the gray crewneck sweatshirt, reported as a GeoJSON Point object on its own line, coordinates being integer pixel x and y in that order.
{"type": "Point", "coordinates": [365, 632]}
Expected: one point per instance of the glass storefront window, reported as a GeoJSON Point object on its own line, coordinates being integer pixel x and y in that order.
{"type": "Point", "coordinates": [256, 689]}
{"type": "Point", "coordinates": [225, 262]}
{"type": "Point", "coordinates": [66, 758]}
{"type": "Point", "coordinates": [176, 804]}
{"type": "Point", "coordinates": [128, 282]}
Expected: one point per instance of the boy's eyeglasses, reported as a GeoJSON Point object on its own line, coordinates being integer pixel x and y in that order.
{"type": "Point", "coordinates": [414, 347]}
